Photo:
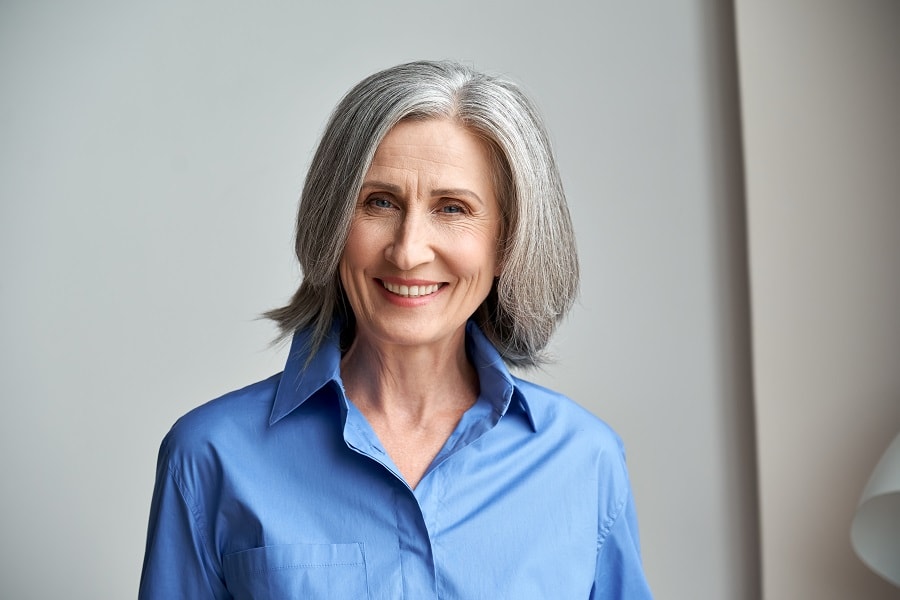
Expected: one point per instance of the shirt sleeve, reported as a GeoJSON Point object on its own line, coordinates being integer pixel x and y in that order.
{"type": "Point", "coordinates": [619, 574]}
{"type": "Point", "coordinates": [177, 561]}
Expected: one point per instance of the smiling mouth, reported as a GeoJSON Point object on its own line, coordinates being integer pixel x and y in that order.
{"type": "Point", "coordinates": [411, 291]}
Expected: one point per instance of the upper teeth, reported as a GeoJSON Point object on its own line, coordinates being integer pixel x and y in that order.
{"type": "Point", "coordinates": [411, 290]}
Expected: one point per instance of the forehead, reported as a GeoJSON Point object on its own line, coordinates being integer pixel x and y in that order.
{"type": "Point", "coordinates": [435, 147]}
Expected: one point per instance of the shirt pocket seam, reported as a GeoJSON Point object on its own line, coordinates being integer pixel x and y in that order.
{"type": "Point", "coordinates": [263, 559]}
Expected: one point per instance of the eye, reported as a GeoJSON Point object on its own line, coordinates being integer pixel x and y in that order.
{"type": "Point", "coordinates": [379, 202]}
{"type": "Point", "coordinates": [453, 209]}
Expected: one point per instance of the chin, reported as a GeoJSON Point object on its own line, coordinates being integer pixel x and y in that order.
{"type": "Point", "coordinates": [415, 333]}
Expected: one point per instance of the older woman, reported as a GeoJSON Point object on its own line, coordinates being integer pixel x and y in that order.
{"type": "Point", "coordinates": [395, 456]}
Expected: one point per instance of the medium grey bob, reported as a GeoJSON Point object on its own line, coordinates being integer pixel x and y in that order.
{"type": "Point", "coordinates": [539, 264]}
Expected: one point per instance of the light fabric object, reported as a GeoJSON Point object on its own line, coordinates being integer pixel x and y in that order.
{"type": "Point", "coordinates": [282, 490]}
{"type": "Point", "coordinates": [875, 531]}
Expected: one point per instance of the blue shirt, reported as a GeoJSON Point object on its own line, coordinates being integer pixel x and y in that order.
{"type": "Point", "coordinates": [282, 490]}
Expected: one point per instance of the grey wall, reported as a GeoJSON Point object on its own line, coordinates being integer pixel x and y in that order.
{"type": "Point", "coordinates": [821, 90]}
{"type": "Point", "coordinates": [150, 160]}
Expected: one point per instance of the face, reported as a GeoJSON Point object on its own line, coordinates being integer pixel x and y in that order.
{"type": "Point", "coordinates": [421, 255]}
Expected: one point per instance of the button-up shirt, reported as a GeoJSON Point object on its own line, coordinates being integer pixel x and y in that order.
{"type": "Point", "coordinates": [281, 490]}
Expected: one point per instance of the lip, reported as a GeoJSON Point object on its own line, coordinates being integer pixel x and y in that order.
{"type": "Point", "coordinates": [409, 301]}
{"type": "Point", "coordinates": [403, 281]}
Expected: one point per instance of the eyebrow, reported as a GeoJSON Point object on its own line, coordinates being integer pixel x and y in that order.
{"type": "Point", "coordinates": [398, 191]}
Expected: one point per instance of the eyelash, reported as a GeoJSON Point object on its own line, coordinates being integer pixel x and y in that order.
{"type": "Point", "coordinates": [373, 202]}
{"type": "Point", "coordinates": [457, 208]}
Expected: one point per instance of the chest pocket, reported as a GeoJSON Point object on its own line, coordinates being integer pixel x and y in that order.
{"type": "Point", "coordinates": [288, 572]}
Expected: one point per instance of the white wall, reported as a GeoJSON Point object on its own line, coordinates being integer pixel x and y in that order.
{"type": "Point", "coordinates": [150, 160]}
{"type": "Point", "coordinates": [821, 105]}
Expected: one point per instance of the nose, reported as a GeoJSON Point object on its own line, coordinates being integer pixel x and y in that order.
{"type": "Point", "coordinates": [411, 245]}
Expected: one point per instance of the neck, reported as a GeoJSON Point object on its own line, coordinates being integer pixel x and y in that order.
{"type": "Point", "coordinates": [410, 383]}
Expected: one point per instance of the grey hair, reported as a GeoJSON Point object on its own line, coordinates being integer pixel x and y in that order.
{"type": "Point", "coordinates": [539, 265]}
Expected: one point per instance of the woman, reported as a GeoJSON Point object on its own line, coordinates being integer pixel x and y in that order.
{"type": "Point", "coordinates": [395, 456]}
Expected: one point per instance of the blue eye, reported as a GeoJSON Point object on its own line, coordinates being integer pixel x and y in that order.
{"type": "Point", "coordinates": [379, 202]}
{"type": "Point", "coordinates": [452, 209]}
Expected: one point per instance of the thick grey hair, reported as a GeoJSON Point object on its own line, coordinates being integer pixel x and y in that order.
{"type": "Point", "coordinates": [538, 280]}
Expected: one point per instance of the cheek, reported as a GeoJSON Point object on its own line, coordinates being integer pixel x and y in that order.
{"type": "Point", "coordinates": [360, 254]}
{"type": "Point", "coordinates": [349, 261]}
{"type": "Point", "coordinates": [479, 256]}
{"type": "Point", "coordinates": [349, 278]}
{"type": "Point", "coordinates": [343, 271]}
{"type": "Point", "coordinates": [355, 251]}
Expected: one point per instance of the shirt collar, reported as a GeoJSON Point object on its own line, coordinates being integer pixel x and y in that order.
{"type": "Point", "coordinates": [496, 383]}
{"type": "Point", "coordinates": [300, 380]}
